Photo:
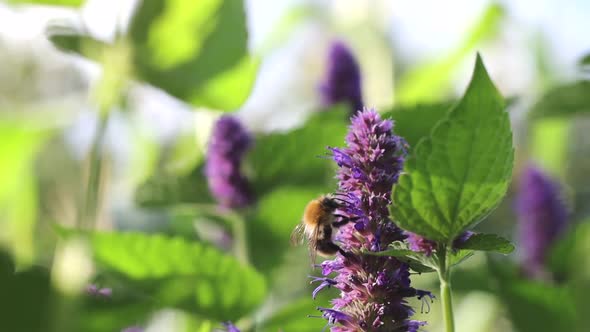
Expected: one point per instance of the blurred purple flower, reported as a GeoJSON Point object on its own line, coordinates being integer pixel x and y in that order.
{"type": "Point", "coordinates": [342, 80]}
{"type": "Point", "coordinates": [542, 217]}
{"type": "Point", "coordinates": [229, 143]}
{"type": "Point", "coordinates": [373, 289]}
{"type": "Point", "coordinates": [230, 327]}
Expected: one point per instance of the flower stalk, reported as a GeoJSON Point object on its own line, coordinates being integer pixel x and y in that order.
{"type": "Point", "coordinates": [444, 276]}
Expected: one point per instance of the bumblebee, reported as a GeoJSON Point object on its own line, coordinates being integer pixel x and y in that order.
{"type": "Point", "coordinates": [317, 225]}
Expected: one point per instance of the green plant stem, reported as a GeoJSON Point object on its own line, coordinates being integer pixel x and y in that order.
{"type": "Point", "coordinates": [444, 275]}
{"type": "Point", "coordinates": [89, 211]}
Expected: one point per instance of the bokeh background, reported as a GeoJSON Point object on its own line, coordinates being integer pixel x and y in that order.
{"type": "Point", "coordinates": [106, 107]}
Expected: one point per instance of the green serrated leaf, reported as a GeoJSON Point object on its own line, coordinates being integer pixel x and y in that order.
{"type": "Point", "coordinates": [20, 141]}
{"type": "Point", "coordinates": [488, 242]}
{"type": "Point", "coordinates": [182, 274]}
{"type": "Point", "coordinates": [298, 157]}
{"type": "Point", "coordinates": [457, 175]}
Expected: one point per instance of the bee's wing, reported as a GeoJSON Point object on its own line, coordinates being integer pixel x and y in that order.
{"type": "Point", "coordinates": [298, 235]}
{"type": "Point", "coordinates": [313, 245]}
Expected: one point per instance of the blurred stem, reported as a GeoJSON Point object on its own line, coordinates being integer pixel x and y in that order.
{"type": "Point", "coordinates": [444, 275]}
{"type": "Point", "coordinates": [89, 210]}
{"type": "Point", "coordinates": [240, 246]}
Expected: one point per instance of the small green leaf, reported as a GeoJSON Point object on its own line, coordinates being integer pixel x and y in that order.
{"type": "Point", "coordinates": [457, 176]}
{"type": "Point", "coordinates": [488, 242]}
{"type": "Point", "coordinates": [187, 275]}
{"type": "Point", "coordinates": [298, 158]}
{"type": "Point", "coordinates": [417, 261]}
{"type": "Point", "coordinates": [564, 100]}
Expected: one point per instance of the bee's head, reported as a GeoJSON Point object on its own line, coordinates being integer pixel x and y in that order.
{"type": "Point", "coordinates": [330, 203]}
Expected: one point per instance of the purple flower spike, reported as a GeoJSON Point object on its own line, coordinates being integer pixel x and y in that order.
{"type": "Point", "coordinates": [542, 218]}
{"type": "Point", "coordinates": [342, 81]}
{"type": "Point", "coordinates": [229, 143]}
{"type": "Point", "coordinates": [373, 289]}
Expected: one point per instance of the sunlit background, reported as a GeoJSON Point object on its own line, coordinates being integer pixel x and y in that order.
{"type": "Point", "coordinates": [149, 88]}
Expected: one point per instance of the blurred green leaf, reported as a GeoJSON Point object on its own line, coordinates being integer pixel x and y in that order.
{"type": "Point", "coordinates": [585, 60]}
{"type": "Point", "coordinates": [19, 143]}
{"type": "Point", "coordinates": [431, 81]}
{"type": "Point", "coordinates": [195, 50]}
{"type": "Point", "coordinates": [178, 273]}
{"type": "Point", "coordinates": [569, 256]}
{"type": "Point", "coordinates": [532, 305]}
{"type": "Point", "coordinates": [570, 264]}
{"type": "Point", "coordinates": [563, 100]}
{"type": "Point", "coordinates": [548, 144]}
{"type": "Point", "coordinates": [165, 189]}
{"type": "Point", "coordinates": [459, 174]}
{"type": "Point", "coordinates": [69, 3]}
{"type": "Point", "coordinates": [299, 157]}
{"type": "Point", "coordinates": [537, 307]}
{"type": "Point", "coordinates": [26, 297]}
{"type": "Point", "coordinates": [415, 122]}
{"type": "Point", "coordinates": [488, 242]}
{"type": "Point", "coordinates": [294, 317]}
{"type": "Point", "coordinates": [184, 155]}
